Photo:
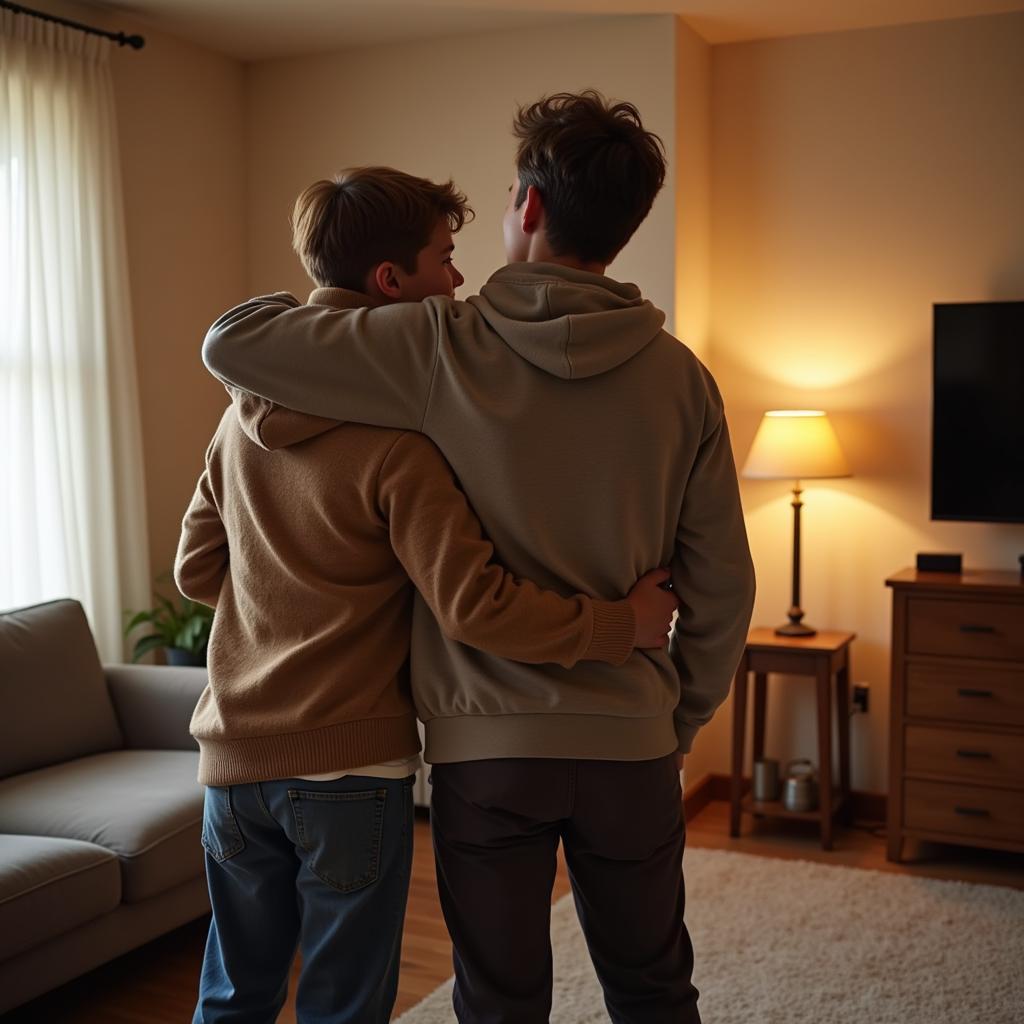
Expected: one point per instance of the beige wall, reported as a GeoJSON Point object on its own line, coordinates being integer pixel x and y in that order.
{"type": "Point", "coordinates": [858, 178]}
{"type": "Point", "coordinates": [690, 168]}
{"type": "Point", "coordinates": [444, 109]}
{"type": "Point", "coordinates": [181, 133]}
{"type": "Point", "coordinates": [180, 115]}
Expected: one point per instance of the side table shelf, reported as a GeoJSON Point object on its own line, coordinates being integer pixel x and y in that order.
{"type": "Point", "coordinates": [776, 808]}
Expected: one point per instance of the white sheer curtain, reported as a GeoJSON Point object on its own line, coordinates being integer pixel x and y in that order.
{"type": "Point", "coordinates": [72, 508]}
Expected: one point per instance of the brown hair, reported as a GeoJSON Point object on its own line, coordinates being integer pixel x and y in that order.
{"type": "Point", "coordinates": [596, 167]}
{"type": "Point", "coordinates": [343, 228]}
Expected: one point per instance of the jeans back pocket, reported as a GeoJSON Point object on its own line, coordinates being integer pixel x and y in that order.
{"type": "Point", "coordinates": [341, 833]}
{"type": "Point", "coordinates": [222, 837]}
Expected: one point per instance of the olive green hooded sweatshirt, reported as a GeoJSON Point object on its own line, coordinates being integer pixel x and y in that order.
{"type": "Point", "coordinates": [592, 445]}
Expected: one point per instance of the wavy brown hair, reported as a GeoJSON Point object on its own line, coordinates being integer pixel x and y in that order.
{"type": "Point", "coordinates": [596, 167]}
{"type": "Point", "coordinates": [344, 227]}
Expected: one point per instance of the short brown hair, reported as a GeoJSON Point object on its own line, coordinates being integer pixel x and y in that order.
{"type": "Point", "coordinates": [343, 228]}
{"type": "Point", "coordinates": [596, 167]}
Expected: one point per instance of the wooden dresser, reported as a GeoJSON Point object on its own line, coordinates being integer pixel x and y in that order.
{"type": "Point", "coordinates": [956, 762]}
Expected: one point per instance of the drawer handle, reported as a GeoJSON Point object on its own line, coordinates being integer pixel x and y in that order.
{"type": "Point", "coordinates": [972, 812]}
{"type": "Point", "coordinates": [968, 628]}
{"type": "Point", "coordinates": [965, 691]}
{"type": "Point", "coordinates": [977, 755]}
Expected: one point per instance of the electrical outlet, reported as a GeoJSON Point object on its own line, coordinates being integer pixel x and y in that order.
{"type": "Point", "coordinates": [859, 699]}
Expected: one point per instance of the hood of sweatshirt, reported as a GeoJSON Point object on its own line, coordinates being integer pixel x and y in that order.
{"type": "Point", "coordinates": [273, 426]}
{"type": "Point", "coordinates": [569, 323]}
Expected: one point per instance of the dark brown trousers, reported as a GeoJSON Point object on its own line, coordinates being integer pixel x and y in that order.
{"type": "Point", "coordinates": [497, 825]}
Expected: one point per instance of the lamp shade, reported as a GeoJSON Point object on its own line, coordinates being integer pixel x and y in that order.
{"type": "Point", "coordinates": [795, 444]}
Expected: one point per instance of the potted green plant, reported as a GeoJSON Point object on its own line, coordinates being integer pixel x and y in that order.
{"type": "Point", "coordinates": [181, 628]}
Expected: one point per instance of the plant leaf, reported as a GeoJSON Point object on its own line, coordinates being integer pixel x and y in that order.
{"type": "Point", "coordinates": [147, 644]}
{"type": "Point", "coordinates": [137, 621]}
{"type": "Point", "coordinates": [187, 626]}
{"type": "Point", "coordinates": [183, 638]}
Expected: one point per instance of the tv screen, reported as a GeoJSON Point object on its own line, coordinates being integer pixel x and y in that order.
{"type": "Point", "coordinates": [978, 412]}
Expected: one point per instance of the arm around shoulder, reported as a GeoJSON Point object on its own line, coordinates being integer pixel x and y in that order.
{"type": "Point", "coordinates": [372, 366]}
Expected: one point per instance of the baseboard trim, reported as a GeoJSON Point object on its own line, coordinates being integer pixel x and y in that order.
{"type": "Point", "coordinates": [704, 791]}
{"type": "Point", "coordinates": [714, 786]}
{"type": "Point", "coordinates": [869, 806]}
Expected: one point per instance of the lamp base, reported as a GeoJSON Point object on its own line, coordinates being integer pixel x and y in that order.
{"type": "Point", "coordinates": [796, 629]}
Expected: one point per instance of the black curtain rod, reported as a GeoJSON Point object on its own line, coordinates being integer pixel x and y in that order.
{"type": "Point", "coordinates": [135, 42]}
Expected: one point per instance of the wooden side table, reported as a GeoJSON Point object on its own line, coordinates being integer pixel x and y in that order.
{"type": "Point", "coordinates": [824, 656]}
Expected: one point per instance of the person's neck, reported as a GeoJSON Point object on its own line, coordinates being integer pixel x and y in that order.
{"type": "Point", "coordinates": [540, 252]}
{"type": "Point", "coordinates": [568, 261]}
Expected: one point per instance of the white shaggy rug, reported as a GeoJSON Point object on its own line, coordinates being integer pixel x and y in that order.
{"type": "Point", "coordinates": [791, 942]}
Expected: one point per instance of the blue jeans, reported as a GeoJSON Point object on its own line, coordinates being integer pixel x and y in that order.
{"type": "Point", "coordinates": [319, 866]}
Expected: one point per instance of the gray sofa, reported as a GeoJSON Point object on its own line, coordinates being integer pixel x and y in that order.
{"type": "Point", "coordinates": [100, 811]}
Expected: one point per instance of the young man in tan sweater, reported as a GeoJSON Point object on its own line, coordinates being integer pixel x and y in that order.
{"type": "Point", "coordinates": [591, 443]}
{"type": "Point", "coordinates": [305, 534]}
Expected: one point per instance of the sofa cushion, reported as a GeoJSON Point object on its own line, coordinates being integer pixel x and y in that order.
{"type": "Point", "coordinates": [144, 805]}
{"type": "Point", "coordinates": [52, 690]}
{"type": "Point", "coordinates": [49, 886]}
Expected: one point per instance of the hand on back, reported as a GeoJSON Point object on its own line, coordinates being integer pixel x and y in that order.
{"type": "Point", "coordinates": [654, 607]}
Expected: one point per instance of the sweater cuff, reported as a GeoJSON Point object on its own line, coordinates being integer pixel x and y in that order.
{"type": "Point", "coordinates": [614, 634]}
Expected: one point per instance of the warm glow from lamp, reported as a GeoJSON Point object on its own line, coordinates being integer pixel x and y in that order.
{"type": "Point", "coordinates": [795, 444]}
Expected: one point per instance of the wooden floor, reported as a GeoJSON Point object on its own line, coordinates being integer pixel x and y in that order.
{"type": "Point", "coordinates": [156, 984]}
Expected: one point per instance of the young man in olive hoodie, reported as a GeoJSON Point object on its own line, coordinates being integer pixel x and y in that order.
{"type": "Point", "coordinates": [591, 443]}
{"type": "Point", "coordinates": [305, 534]}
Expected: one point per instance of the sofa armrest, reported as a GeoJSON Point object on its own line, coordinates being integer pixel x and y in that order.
{"type": "Point", "coordinates": [154, 704]}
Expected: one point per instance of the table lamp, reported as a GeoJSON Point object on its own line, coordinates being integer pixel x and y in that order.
{"type": "Point", "coordinates": [795, 444]}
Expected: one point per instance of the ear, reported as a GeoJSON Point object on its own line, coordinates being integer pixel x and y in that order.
{"type": "Point", "coordinates": [385, 277]}
{"type": "Point", "coordinates": [531, 213]}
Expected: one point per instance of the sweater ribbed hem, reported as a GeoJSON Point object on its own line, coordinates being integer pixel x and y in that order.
{"type": "Point", "coordinates": [594, 737]}
{"type": "Point", "coordinates": [614, 634]}
{"type": "Point", "coordinates": [233, 762]}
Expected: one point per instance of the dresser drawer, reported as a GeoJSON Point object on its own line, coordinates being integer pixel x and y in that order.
{"type": "Point", "coordinates": [970, 811]}
{"type": "Point", "coordinates": [985, 757]}
{"type": "Point", "coordinates": [987, 696]}
{"type": "Point", "coordinates": [966, 629]}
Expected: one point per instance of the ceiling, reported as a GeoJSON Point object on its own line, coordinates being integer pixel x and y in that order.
{"type": "Point", "coordinates": [262, 29]}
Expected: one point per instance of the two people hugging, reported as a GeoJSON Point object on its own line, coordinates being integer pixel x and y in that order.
{"type": "Point", "coordinates": [485, 515]}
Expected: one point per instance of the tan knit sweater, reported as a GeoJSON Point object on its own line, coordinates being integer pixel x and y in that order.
{"type": "Point", "coordinates": [304, 535]}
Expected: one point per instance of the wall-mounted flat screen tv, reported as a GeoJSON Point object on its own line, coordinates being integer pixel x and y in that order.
{"type": "Point", "coordinates": [978, 412]}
